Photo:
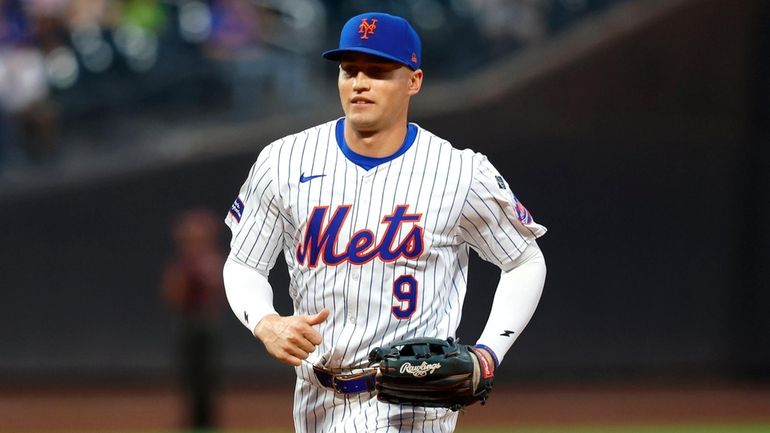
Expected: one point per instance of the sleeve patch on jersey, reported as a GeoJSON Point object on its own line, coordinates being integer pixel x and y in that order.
{"type": "Point", "coordinates": [522, 214]}
{"type": "Point", "coordinates": [500, 182]}
{"type": "Point", "coordinates": [236, 210]}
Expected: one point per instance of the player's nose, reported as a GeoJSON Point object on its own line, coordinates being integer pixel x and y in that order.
{"type": "Point", "coordinates": [360, 81]}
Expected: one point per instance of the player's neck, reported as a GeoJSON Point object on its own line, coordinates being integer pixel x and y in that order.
{"type": "Point", "coordinates": [376, 144]}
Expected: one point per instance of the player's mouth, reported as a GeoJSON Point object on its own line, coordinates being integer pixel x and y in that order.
{"type": "Point", "coordinates": [360, 100]}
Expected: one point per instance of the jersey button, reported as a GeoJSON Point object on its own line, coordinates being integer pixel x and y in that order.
{"type": "Point", "coordinates": [354, 276]}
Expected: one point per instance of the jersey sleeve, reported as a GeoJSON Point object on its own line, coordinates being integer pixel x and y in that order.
{"type": "Point", "coordinates": [493, 220]}
{"type": "Point", "coordinates": [255, 218]}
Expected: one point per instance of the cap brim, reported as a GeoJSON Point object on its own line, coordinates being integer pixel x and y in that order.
{"type": "Point", "coordinates": [336, 55]}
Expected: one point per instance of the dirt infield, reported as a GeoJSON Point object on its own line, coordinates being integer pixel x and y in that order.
{"type": "Point", "coordinates": [161, 408]}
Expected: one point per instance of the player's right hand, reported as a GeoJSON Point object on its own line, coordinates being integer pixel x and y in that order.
{"type": "Point", "coordinates": [290, 339]}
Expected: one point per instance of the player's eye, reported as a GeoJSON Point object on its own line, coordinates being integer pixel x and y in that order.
{"type": "Point", "coordinates": [376, 72]}
{"type": "Point", "coordinates": [349, 71]}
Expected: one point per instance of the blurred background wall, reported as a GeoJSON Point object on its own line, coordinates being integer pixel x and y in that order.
{"type": "Point", "coordinates": [636, 130]}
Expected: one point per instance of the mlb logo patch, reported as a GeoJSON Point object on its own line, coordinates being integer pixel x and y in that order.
{"type": "Point", "coordinates": [236, 210]}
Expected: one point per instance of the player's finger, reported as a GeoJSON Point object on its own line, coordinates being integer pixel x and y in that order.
{"type": "Point", "coordinates": [313, 336]}
{"type": "Point", "coordinates": [315, 319]}
{"type": "Point", "coordinates": [291, 360]}
{"type": "Point", "coordinates": [297, 352]}
{"type": "Point", "coordinates": [284, 355]}
{"type": "Point", "coordinates": [303, 343]}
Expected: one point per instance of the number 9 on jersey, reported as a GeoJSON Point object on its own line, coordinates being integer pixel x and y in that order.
{"type": "Point", "coordinates": [405, 291]}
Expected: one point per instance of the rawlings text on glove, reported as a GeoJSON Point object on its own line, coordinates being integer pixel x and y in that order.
{"type": "Point", "coordinates": [431, 372]}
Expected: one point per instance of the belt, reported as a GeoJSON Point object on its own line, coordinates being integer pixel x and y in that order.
{"type": "Point", "coordinates": [350, 383]}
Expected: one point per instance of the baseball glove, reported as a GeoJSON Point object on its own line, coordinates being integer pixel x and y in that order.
{"type": "Point", "coordinates": [431, 372]}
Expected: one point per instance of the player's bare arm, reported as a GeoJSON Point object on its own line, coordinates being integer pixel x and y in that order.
{"type": "Point", "coordinates": [290, 339]}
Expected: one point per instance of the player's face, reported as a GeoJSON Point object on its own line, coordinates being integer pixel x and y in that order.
{"type": "Point", "coordinates": [375, 92]}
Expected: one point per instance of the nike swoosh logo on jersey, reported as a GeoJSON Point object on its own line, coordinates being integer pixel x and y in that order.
{"type": "Point", "coordinates": [303, 178]}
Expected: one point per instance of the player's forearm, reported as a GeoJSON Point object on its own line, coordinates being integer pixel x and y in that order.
{"type": "Point", "coordinates": [248, 292]}
{"type": "Point", "coordinates": [516, 299]}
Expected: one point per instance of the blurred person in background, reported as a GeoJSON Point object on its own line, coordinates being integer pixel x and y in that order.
{"type": "Point", "coordinates": [233, 28]}
{"type": "Point", "coordinates": [48, 22]}
{"type": "Point", "coordinates": [261, 49]}
{"type": "Point", "coordinates": [12, 29]}
{"type": "Point", "coordinates": [81, 14]}
{"type": "Point", "coordinates": [28, 114]}
{"type": "Point", "coordinates": [236, 48]}
{"type": "Point", "coordinates": [138, 37]}
{"type": "Point", "coordinates": [192, 287]}
{"type": "Point", "coordinates": [293, 31]}
{"type": "Point", "coordinates": [87, 23]}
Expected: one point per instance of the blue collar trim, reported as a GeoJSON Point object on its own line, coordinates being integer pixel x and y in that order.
{"type": "Point", "coordinates": [368, 162]}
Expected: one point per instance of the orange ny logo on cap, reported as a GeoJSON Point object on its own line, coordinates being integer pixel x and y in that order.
{"type": "Point", "coordinates": [365, 28]}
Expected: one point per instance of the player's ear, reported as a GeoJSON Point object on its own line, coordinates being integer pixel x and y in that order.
{"type": "Point", "coordinates": [415, 81]}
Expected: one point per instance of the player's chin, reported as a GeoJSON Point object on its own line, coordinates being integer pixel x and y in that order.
{"type": "Point", "coordinates": [361, 121]}
{"type": "Point", "coordinates": [361, 109]}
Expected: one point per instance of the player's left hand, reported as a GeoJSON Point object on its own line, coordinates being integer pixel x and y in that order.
{"type": "Point", "coordinates": [432, 372]}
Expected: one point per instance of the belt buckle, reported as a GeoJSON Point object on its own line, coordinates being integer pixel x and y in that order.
{"type": "Point", "coordinates": [346, 384]}
{"type": "Point", "coordinates": [339, 382]}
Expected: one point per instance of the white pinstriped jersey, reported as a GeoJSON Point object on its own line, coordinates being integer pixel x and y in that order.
{"type": "Point", "coordinates": [385, 249]}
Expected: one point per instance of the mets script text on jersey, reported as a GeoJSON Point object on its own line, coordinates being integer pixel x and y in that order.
{"type": "Point", "coordinates": [319, 241]}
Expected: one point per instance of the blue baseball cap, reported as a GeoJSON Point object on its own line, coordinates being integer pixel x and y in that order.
{"type": "Point", "coordinates": [381, 35]}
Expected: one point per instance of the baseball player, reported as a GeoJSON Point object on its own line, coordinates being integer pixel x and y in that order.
{"type": "Point", "coordinates": [375, 217]}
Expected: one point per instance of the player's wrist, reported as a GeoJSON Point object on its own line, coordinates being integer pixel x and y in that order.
{"type": "Point", "coordinates": [488, 353]}
{"type": "Point", "coordinates": [265, 322]}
